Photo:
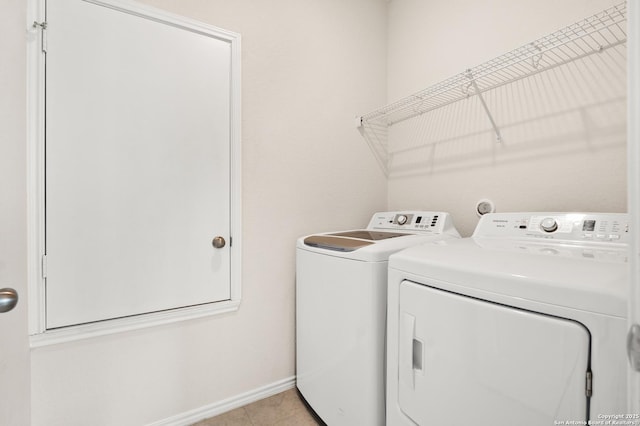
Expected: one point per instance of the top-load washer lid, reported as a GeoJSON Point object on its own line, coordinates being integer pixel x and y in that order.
{"type": "Point", "coordinates": [349, 240]}
{"type": "Point", "coordinates": [387, 232]}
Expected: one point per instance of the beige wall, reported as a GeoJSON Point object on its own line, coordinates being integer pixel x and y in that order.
{"type": "Point", "coordinates": [308, 67]}
{"type": "Point", "coordinates": [564, 132]}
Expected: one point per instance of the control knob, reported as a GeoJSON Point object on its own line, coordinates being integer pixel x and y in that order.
{"type": "Point", "coordinates": [401, 219]}
{"type": "Point", "coordinates": [549, 224]}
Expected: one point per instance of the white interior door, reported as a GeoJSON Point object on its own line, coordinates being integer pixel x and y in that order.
{"type": "Point", "coordinates": [14, 334]}
{"type": "Point", "coordinates": [465, 361]}
{"type": "Point", "coordinates": [137, 164]}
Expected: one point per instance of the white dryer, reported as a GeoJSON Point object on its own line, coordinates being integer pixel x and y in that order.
{"type": "Point", "coordinates": [341, 292]}
{"type": "Point", "coordinates": [523, 323]}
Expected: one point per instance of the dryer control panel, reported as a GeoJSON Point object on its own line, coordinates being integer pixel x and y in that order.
{"type": "Point", "coordinates": [577, 227]}
{"type": "Point", "coordinates": [413, 222]}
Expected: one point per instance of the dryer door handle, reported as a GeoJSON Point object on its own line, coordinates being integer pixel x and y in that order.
{"type": "Point", "coordinates": [633, 347]}
{"type": "Point", "coordinates": [411, 353]}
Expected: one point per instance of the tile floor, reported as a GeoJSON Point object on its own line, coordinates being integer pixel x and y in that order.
{"type": "Point", "coordinates": [283, 409]}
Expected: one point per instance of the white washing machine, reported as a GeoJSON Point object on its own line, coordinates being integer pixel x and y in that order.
{"type": "Point", "coordinates": [341, 291]}
{"type": "Point", "coordinates": [523, 323]}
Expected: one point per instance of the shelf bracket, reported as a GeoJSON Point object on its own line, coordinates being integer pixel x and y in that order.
{"type": "Point", "coordinates": [476, 89]}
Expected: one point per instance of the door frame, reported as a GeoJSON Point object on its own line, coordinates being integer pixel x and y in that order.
{"type": "Point", "coordinates": [633, 186]}
{"type": "Point", "coordinates": [36, 46]}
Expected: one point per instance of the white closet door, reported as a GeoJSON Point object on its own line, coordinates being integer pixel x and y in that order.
{"type": "Point", "coordinates": [465, 361]}
{"type": "Point", "coordinates": [137, 164]}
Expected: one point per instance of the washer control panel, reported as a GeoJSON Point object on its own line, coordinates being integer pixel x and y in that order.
{"type": "Point", "coordinates": [597, 227]}
{"type": "Point", "coordinates": [412, 221]}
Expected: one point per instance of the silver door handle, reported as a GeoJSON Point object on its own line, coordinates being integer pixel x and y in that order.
{"type": "Point", "coordinates": [218, 242]}
{"type": "Point", "coordinates": [8, 299]}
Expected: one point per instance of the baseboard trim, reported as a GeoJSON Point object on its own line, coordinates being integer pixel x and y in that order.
{"type": "Point", "coordinates": [210, 410]}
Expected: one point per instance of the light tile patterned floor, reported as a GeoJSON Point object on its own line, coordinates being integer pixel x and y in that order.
{"type": "Point", "coordinates": [283, 409]}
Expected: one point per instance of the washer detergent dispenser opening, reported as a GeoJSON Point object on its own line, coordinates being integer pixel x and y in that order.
{"type": "Point", "coordinates": [523, 323]}
{"type": "Point", "coordinates": [341, 295]}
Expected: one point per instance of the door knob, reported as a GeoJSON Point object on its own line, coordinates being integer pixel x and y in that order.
{"type": "Point", "coordinates": [8, 299]}
{"type": "Point", "coordinates": [218, 242]}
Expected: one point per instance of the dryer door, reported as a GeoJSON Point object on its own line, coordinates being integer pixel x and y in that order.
{"type": "Point", "coordinates": [468, 361]}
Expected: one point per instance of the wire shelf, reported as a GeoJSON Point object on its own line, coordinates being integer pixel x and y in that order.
{"type": "Point", "coordinates": [592, 35]}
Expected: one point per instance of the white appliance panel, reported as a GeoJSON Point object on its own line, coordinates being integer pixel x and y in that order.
{"type": "Point", "coordinates": [466, 361]}
{"type": "Point", "coordinates": [340, 317]}
{"type": "Point", "coordinates": [341, 295]}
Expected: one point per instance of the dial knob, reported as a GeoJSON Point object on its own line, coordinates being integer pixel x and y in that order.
{"type": "Point", "coordinates": [401, 219]}
{"type": "Point", "coordinates": [549, 224]}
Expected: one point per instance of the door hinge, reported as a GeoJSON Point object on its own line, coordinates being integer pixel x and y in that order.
{"type": "Point", "coordinates": [43, 33]}
{"type": "Point", "coordinates": [44, 266]}
{"type": "Point", "coordinates": [589, 384]}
